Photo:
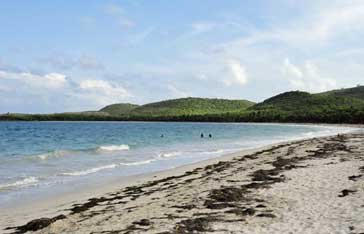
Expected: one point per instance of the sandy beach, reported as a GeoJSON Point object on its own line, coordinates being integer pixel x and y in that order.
{"type": "Point", "coordinates": [307, 186]}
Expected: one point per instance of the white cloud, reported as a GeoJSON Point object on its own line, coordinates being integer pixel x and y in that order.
{"type": "Point", "coordinates": [176, 92]}
{"type": "Point", "coordinates": [306, 77]}
{"type": "Point", "coordinates": [56, 92]}
{"type": "Point", "coordinates": [290, 69]}
{"type": "Point", "coordinates": [51, 80]}
{"type": "Point", "coordinates": [341, 19]}
{"type": "Point", "coordinates": [118, 13]}
{"type": "Point", "coordinates": [202, 76]}
{"type": "Point", "coordinates": [236, 74]}
{"type": "Point", "coordinates": [104, 87]}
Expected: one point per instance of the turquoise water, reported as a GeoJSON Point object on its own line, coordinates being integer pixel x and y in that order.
{"type": "Point", "coordinates": [38, 157]}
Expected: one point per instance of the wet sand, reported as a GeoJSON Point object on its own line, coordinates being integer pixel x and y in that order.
{"type": "Point", "coordinates": [306, 186]}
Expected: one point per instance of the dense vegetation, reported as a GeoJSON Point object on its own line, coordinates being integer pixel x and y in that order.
{"type": "Point", "coordinates": [337, 106]}
{"type": "Point", "coordinates": [191, 106]}
{"type": "Point", "coordinates": [304, 107]}
{"type": "Point", "coordinates": [119, 109]}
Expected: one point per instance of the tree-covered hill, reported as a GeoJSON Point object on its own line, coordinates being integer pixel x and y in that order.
{"type": "Point", "coordinates": [179, 107]}
{"type": "Point", "coordinates": [191, 106]}
{"type": "Point", "coordinates": [337, 106]}
{"type": "Point", "coordinates": [356, 92]}
{"type": "Point", "coordinates": [119, 109]}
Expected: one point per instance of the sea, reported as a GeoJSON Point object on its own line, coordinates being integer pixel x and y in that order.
{"type": "Point", "coordinates": [48, 158]}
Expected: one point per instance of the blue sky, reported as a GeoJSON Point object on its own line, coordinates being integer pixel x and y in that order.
{"type": "Point", "coordinates": [57, 56]}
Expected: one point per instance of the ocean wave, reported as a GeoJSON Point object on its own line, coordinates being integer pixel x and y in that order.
{"type": "Point", "coordinates": [20, 183]}
{"type": "Point", "coordinates": [218, 151]}
{"type": "Point", "coordinates": [113, 148]}
{"type": "Point", "coordinates": [61, 153]}
{"type": "Point", "coordinates": [309, 134]}
{"type": "Point", "coordinates": [169, 154]}
{"type": "Point", "coordinates": [89, 171]}
{"type": "Point", "coordinates": [137, 163]}
{"type": "Point", "coordinates": [52, 154]}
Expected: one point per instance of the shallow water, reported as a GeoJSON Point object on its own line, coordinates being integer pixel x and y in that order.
{"type": "Point", "coordinates": [38, 157]}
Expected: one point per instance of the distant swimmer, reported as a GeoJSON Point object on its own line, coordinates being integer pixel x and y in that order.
{"type": "Point", "coordinates": [201, 135]}
{"type": "Point", "coordinates": [162, 135]}
{"type": "Point", "coordinates": [210, 135]}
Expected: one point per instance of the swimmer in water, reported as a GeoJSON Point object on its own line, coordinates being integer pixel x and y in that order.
{"type": "Point", "coordinates": [201, 135]}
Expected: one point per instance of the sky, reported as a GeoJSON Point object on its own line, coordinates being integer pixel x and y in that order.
{"type": "Point", "coordinates": [60, 56]}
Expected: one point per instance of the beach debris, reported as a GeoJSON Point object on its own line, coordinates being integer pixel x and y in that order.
{"type": "Point", "coordinates": [266, 215]}
{"type": "Point", "coordinates": [195, 225]}
{"type": "Point", "coordinates": [346, 192]}
{"type": "Point", "coordinates": [354, 177]}
{"type": "Point", "coordinates": [242, 211]}
{"type": "Point", "coordinates": [143, 222]}
{"type": "Point", "coordinates": [224, 197]}
{"type": "Point", "coordinates": [37, 224]}
{"type": "Point", "coordinates": [185, 206]}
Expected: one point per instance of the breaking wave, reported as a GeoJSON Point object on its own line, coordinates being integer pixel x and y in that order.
{"type": "Point", "coordinates": [113, 148]}
{"type": "Point", "coordinates": [20, 183]}
{"type": "Point", "coordinates": [169, 154]}
{"type": "Point", "coordinates": [137, 163]}
{"type": "Point", "coordinates": [89, 171]}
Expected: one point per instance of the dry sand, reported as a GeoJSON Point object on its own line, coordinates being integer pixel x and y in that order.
{"type": "Point", "coordinates": [307, 186]}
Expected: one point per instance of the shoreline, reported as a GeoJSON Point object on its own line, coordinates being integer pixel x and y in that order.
{"type": "Point", "coordinates": [56, 206]}
{"type": "Point", "coordinates": [53, 206]}
{"type": "Point", "coordinates": [90, 188]}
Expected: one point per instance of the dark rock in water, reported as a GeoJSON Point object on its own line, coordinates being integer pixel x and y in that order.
{"type": "Point", "coordinates": [143, 222]}
{"type": "Point", "coordinates": [346, 192]}
{"type": "Point", "coordinates": [37, 224]}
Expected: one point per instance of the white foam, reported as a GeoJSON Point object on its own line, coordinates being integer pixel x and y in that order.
{"type": "Point", "coordinates": [169, 154]}
{"type": "Point", "coordinates": [89, 171]}
{"type": "Point", "coordinates": [218, 151]}
{"type": "Point", "coordinates": [52, 154]}
{"type": "Point", "coordinates": [113, 148]}
{"type": "Point", "coordinates": [20, 183]}
{"type": "Point", "coordinates": [137, 163]}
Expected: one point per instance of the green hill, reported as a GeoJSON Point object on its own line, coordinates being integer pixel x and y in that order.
{"type": "Point", "coordinates": [338, 106]}
{"type": "Point", "coordinates": [191, 106]}
{"type": "Point", "coordinates": [119, 109]}
{"type": "Point", "coordinates": [356, 92]}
